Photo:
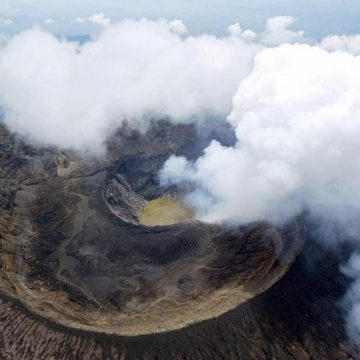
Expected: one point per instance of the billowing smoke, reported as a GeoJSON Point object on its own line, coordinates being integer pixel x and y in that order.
{"type": "Point", "coordinates": [63, 94]}
{"type": "Point", "coordinates": [297, 122]}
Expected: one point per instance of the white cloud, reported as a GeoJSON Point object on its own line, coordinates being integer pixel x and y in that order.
{"type": "Point", "coordinates": [249, 35]}
{"type": "Point", "coordinates": [177, 26]}
{"type": "Point", "coordinates": [3, 40]}
{"type": "Point", "coordinates": [79, 20]}
{"type": "Point", "coordinates": [6, 21]}
{"type": "Point", "coordinates": [63, 94]}
{"type": "Point", "coordinates": [348, 43]}
{"type": "Point", "coordinates": [3, 4]}
{"type": "Point", "coordinates": [100, 20]}
{"type": "Point", "coordinates": [49, 21]}
{"type": "Point", "coordinates": [277, 31]}
{"type": "Point", "coordinates": [235, 30]}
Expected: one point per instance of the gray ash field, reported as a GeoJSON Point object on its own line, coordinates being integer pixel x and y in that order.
{"type": "Point", "coordinates": [82, 279]}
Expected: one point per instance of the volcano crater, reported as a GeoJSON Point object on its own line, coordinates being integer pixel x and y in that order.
{"type": "Point", "coordinates": [84, 258]}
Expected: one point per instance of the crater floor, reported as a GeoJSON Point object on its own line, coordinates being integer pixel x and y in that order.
{"type": "Point", "coordinates": [165, 211]}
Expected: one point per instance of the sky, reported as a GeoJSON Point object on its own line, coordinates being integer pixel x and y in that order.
{"type": "Point", "coordinates": [75, 17]}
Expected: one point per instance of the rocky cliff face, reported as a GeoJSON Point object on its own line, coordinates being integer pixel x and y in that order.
{"type": "Point", "coordinates": [80, 279]}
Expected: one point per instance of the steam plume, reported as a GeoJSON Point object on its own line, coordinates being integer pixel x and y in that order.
{"type": "Point", "coordinates": [297, 122]}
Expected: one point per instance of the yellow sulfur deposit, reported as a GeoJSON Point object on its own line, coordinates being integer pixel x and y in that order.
{"type": "Point", "coordinates": [165, 211]}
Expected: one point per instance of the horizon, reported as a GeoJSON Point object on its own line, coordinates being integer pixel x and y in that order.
{"type": "Point", "coordinates": [64, 18]}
